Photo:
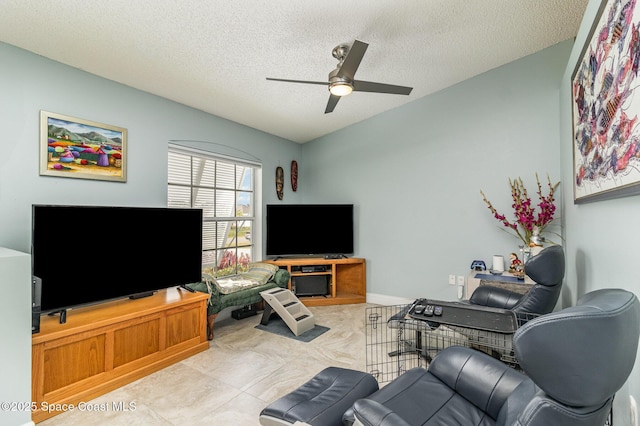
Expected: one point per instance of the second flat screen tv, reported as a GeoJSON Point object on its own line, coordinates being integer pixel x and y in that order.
{"type": "Point", "coordinates": [309, 229]}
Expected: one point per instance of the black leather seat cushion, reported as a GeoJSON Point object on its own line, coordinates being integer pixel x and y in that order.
{"type": "Point", "coordinates": [445, 407]}
{"type": "Point", "coordinates": [462, 386]}
{"type": "Point", "coordinates": [323, 399]}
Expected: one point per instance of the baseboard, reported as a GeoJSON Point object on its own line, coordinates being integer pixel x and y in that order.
{"type": "Point", "coordinates": [386, 300]}
{"type": "Point", "coordinates": [376, 299]}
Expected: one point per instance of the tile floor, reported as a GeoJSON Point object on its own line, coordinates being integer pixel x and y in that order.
{"type": "Point", "coordinates": [243, 371]}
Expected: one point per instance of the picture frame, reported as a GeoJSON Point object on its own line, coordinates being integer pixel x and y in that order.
{"type": "Point", "coordinates": [77, 148]}
{"type": "Point", "coordinates": [605, 108]}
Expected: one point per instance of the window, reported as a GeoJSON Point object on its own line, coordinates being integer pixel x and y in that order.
{"type": "Point", "coordinates": [225, 190]}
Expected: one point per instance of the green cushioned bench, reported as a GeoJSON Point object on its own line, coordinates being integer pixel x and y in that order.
{"type": "Point", "coordinates": [219, 301]}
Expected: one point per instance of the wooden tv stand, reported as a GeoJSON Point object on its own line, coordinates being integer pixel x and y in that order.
{"type": "Point", "coordinates": [105, 346]}
{"type": "Point", "coordinates": [347, 278]}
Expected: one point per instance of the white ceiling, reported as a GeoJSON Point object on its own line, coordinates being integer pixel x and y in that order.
{"type": "Point", "coordinates": [215, 55]}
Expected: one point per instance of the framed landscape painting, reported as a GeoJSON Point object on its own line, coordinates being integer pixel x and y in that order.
{"type": "Point", "coordinates": [77, 148]}
{"type": "Point", "coordinates": [606, 106]}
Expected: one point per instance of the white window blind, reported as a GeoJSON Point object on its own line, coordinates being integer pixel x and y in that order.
{"type": "Point", "coordinates": [225, 191]}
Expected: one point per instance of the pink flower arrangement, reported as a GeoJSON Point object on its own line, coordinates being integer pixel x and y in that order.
{"type": "Point", "coordinates": [528, 223]}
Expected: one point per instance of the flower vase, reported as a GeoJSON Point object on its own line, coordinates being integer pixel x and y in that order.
{"type": "Point", "coordinates": [525, 253]}
{"type": "Point", "coordinates": [535, 250]}
{"type": "Point", "coordinates": [535, 245]}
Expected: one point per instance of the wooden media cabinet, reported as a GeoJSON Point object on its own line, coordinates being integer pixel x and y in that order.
{"type": "Point", "coordinates": [103, 347]}
{"type": "Point", "coordinates": [346, 278]}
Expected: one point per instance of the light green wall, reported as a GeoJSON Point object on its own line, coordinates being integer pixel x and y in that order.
{"type": "Point", "coordinates": [30, 83]}
{"type": "Point", "coordinates": [415, 173]}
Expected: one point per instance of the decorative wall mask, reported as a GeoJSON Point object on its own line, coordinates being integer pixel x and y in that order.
{"type": "Point", "coordinates": [279, 182]}
{"type": "Point", "coordinates": [294, 175]}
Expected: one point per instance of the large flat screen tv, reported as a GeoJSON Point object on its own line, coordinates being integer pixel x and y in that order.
{"type": "Point", "coordinates": [89, 254]}
{"type": "Point", "coordinates": [309, 229]}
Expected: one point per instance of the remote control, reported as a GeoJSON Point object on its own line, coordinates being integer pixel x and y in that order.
{"type": "Point", "coordinates": [437, 310]}
{"type": "Point", "coordinates": [428, 311]}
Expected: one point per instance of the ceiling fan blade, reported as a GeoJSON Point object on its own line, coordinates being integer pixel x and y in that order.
{"type": "Point", "coordinates": [324, 83]}
{"type": "Point", "coordinates": [333, 100]}
{"type": "Point", "coordinates": [352, 61]}
{"type": "Point", "coordinates": [370, 86]}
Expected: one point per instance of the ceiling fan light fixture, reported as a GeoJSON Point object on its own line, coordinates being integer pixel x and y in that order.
{"type": "Point", "coordinates": [340, 88]}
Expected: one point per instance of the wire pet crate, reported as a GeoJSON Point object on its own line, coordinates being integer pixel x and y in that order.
{"type": "Point", "coordinates": [396, 342]}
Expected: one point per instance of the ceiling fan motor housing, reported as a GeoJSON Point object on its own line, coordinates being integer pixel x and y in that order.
{"type": "Point", "coordinates": [337, 80]}
{"type": "Point", "coordinates": [340, 52]}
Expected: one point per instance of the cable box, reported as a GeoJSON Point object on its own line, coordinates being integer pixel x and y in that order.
{"type": "Point", "coordinates": [313, 268]}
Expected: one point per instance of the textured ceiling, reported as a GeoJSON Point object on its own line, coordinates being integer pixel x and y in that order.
{"type": "Point", "coordinates": [215, 55]}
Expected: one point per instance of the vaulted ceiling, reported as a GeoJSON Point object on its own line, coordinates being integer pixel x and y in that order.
{"type": "Point", "coordinates": [215, 55]}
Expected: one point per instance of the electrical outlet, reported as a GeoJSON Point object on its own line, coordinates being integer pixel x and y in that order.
{"type": "Point", "coordinates": [460, 280]}
{"type": "Point", "coordinates": [452, 280]}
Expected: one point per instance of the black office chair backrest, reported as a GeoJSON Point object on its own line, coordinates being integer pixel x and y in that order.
{"type": "Point", "coordinates": [581, 356]}
{"type": "Point", "coordinates": [546, 269]}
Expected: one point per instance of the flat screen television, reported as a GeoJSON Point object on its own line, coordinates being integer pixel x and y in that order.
{"type": "Point", "coordinates": [89, 254]}
{"type": "Point", "coordinates": [309, 229]}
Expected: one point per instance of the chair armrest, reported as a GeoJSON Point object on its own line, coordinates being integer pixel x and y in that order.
{"type": "Point", "coordinates": [494, 297]}
{"type": "Point", "coordinates": [371, 413]}
{"type": "Point", "coordinates": [281, 278]}
{"type": "Point", "coordinates": [484, 381]}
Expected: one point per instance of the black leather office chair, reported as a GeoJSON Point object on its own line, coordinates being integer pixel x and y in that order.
{"type": "Point", "coordinates": [546, 269]}
{"type": "Point", "coordinates": [563, 354]}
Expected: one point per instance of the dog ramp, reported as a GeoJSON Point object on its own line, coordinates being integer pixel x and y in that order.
{"type": "Point", "coordinates": [297, 317]}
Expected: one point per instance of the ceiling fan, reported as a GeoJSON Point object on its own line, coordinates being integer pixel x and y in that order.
{"type": "Point", "coordinates": [341, 80]}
